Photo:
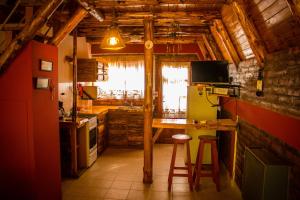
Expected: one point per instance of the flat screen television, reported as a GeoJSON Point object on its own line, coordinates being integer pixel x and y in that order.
{"type": "Point", "coordinates": [210, 72]}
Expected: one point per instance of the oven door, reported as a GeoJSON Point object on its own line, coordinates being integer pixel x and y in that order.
{"type": "Point", "coordinates": [93, 139]}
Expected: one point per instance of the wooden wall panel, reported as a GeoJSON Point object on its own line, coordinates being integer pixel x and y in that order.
{"type": "Point", "coordinates": [275, 23]}
{"type": "Point", "coordinates": [236, 33]}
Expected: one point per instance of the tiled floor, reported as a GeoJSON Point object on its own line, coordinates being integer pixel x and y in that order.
{"type": "Point", "coordinates": [118, 174]}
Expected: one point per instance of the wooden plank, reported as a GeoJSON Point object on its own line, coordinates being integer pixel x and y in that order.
{"type": "Point", "coordinates": [227, 41]}
{"type": "Point", "coordinates": [28, 32]}
{"type": "Point", "coordinates": [254, 39]}
{"type": "Point", "coordinates": [148, 146]}
{"type": "Point", "coordinates": [79, 14]}
{"type": "Point", "coordinates": [209, 48]}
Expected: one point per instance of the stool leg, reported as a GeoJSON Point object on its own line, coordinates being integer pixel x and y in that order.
{"type": "Point", "coordinates": [171, 172]}
{"type": "Point", "coordinates": [215, 165]}
{"type": "Point", "coordinates": [196, 163]}
{"type": "Point", "coordinates": [199, 166]}
{"type": "Point", "coordinates": [190, 178]}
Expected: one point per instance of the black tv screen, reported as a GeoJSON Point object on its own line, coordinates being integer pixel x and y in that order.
{"type": "Point", "coordinates": [210, 72]}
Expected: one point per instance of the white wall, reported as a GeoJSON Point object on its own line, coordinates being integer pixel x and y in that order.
{"type": "Point", "coordinates": [65, 68]}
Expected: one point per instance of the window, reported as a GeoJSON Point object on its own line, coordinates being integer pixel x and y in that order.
{"type": "Point", "coordinates": [174, 87]}
{"type": "Point", "coordinates": [125, 78]}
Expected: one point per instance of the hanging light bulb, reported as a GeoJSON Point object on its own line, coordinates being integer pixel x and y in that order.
{"type": "Point", "coordinates": [112, 39]}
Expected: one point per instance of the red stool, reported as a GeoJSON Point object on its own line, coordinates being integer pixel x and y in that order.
{"type": "Point", "coordinates": [181, 139]}
{"type": "Point", "coordinates": [214, 159]}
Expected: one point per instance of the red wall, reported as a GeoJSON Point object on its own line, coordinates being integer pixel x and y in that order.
{"type": "Point", "coordinates": [285, 128]}
{"type": "Point", "coordinates": [139, 49]}
{"type": "Point", "coordinates": [29, 154]}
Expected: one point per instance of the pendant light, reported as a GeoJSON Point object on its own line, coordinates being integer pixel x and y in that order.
{"type": "Point", "coordinates": [112, 38]}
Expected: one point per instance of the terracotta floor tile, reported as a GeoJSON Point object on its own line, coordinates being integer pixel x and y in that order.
{"type": "Point", "coordinates": [116, 194]}
{"type": "Point", "coordinates": [118, 174]}
{"type": "Point", "coordinates": [121, 184]}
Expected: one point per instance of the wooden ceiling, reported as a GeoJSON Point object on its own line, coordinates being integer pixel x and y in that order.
{"type": "Point", "coordinates": [187, 18]}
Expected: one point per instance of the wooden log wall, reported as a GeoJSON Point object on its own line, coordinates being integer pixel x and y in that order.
{"type": "Point", "coordinates": [275, 23]}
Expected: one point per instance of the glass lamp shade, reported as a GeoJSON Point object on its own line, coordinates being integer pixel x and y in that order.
{"type": "Point", "coordinates": [112, 39]}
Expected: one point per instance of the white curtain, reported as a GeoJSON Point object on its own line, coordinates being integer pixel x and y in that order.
{"type": "Point", "coordinates": [175, 82]}
{"type": "Point", "coordinates": [125, 78]}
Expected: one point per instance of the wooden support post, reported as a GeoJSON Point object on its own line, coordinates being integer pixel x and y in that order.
{"type": "Point", "coordinates": [251, 33]}
{"type": "Point", "coordinates": [208, 47]}
{"type": "Point", "coordinates": [148, 146]}
{"type": "Point", "coordinates": [221, 44]}
{"type": "Point", "coordinates": [227, 41]}
{"type": "Point", "coordinates": [158, 88]}
{"type": "Point", "coordinates": [74, 110]}
{"type": "Point", "coordinates": [203, 50]}
{"type": "Point", "coordinates": [28, 31]}
{"type": "Point", "coordinates": [79, 14]}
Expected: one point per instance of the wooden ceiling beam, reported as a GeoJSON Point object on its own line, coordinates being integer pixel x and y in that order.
{"type": "Point", "coordinates": [203, 50]}
{"type": "Point", "coordinates": [227, 41]}
{"type": "Point", "coordinates": [157, 40]}
{"type": "Point", "coordinates": [79, 14]}
{"type": "Point", "coordinates": [208, 47]}
{"type": "Point", "coordinates": [219, 40]}
{"type": "Point", "coordinates": [294, 6]}
{"type": "Point", "coordinates": [28, 32]}
{"type": "Point", "coordinates": [179, 14]}
{"type": "Point", "coordinates": [251, 33]}
{"type": "Point", "coordinates": [92, 11]}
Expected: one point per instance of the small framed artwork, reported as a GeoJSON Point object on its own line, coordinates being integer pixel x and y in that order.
{"type": "Point", "coordinates": [42, 83]}
{"type": "Point", "coordinates": [46, 65]}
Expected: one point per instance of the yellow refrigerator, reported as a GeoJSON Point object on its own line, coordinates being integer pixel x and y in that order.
{"type": "Point", "coordinates": [199, 107]}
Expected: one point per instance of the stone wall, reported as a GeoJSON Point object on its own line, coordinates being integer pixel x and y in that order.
{"type": "Point", "coordinates": [281, 81]}
{"type": "Point", "coordinates": [281, 94]}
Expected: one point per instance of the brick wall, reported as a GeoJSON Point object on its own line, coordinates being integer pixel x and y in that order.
{"type": "Point", "coordinates": [281, 94]}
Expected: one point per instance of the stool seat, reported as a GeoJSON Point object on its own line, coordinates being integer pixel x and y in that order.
{"type": "Point", "coordinates": [181, 137]}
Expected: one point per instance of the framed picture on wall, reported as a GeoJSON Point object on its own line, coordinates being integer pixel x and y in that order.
{"type": "Point", "coordinates": [42, 83]}
{"type": "Point", "coordinates": [46, 65]}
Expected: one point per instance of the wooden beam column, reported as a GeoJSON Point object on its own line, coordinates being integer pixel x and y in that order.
{"type": "Point", "coordinates": [251, 33]}
{"type": "Point", "coordinates": [28, 31]}
{"type": "Point", "coordinates": [148, 146]}
{"type": "Point", "coordinates": [79, 14]}
{"type": "Point", "coordinates": [74, 109]}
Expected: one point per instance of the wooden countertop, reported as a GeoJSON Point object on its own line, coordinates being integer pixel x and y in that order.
{"type": "Point", "coordinates": [104, 109]}
{"type": "Point", "coordinates": [98, 110]}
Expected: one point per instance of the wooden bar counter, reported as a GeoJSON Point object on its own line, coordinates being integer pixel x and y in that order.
{"type": "Point", "coordinates": [219, 124]}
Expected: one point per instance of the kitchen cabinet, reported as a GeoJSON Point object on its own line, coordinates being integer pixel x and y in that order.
{"type": "Point", "coordinates": [87, 70]}
{"type": "Point", "coordinates": [73, 147]}
{"type": "Point", "coordinates": [102, 133]}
